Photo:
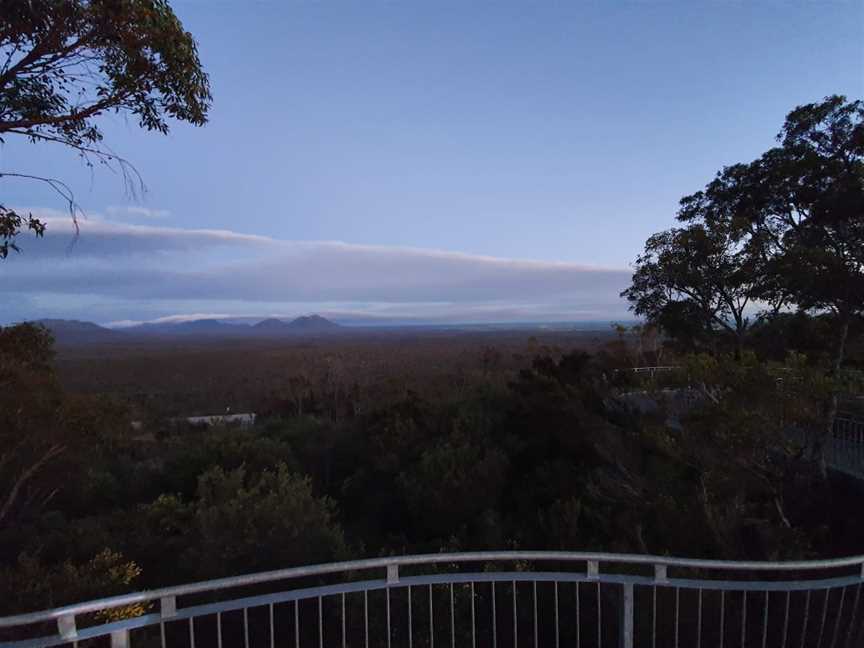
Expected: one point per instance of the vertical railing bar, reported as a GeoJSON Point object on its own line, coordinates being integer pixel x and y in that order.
{"type": "Point", "coordinates": [410, 621]}
{"type": "Point", "coordinates": [192, 632]}
{"type": "Point", "coordinates": [677, 608]}
{"type": "Point", "coordinates": [599, 617]}
{"type": "Point", "coordinates": [534, 594]}
{"type": "Point", "coordinates": [218, 630]}
{"type": "Point", "coordinates": [431, 620]}
{"type": "Point", "coordinates": [515, 625]}
{"type": "Point", "coordinates": [297, 624]}
{"type": "Point", "coordinates": [824, 616]}
{"type": "Point", "coordinates": [246, 627]}
{"type": "Point", "coordinates": [366, 616]}
{"type": "Point", "coordinates": [272, 628]}
{"type": "Point", "coordinates": [722, 615]}
{"type": "Point", "coordinates": [839, 615]}
{"type": "Point", "coordinates": [321, 621]}
{"type": "Point", "coordinates": [344, 622]}
{"type": "Point", "coordinates": [786, 620]}
{"type": "Point", "coordinates": [654, 617]}
{"type": "Point", "coordinates": [854, 616]}
{"type": "Point", "coordinates": [578, 618]}
{"type": "Point", "coordinates": [699, 621]}
{"type": "Point", "coordinates": [744, 619]}
{"type": "Point", "coordinates": [557, 632]}
{"type": "Point", "coordinates": [806, 618]}
{"type": "Point", "coordinates": [387, 594]}
{"type": "Point", "coordinates": [494, 619]}
{"type": "Point", "coordinates": [452, 620]}
{"type": "Point", "coordinates": [473, 620]}
{"type": "Point", "coordinates": [119, 639]}
{"type": "Point", "coordinates": [162, 633]}
{"type": "Point", "coordinates": [626, 627]}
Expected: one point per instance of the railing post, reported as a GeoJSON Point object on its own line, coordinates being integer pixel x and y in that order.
{"type": "Point", "coordinates": [392, 574]}
{"type": "Point", "coordinates": [593, 570]}
{"type": "Point", "coordinates": [627, 614]}
{"type": "Point", "coordinates": [66, 626]}
{"type": "Point", "coordinates": [168, 607]}
{"type": "Point", "coordinates": [120, 639]}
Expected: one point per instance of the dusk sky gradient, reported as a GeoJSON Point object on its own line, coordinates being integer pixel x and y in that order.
{"type": "Point", "coordinates": [423, 160]}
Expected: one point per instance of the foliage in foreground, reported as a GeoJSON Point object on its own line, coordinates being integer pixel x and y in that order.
{"type": "Point", "coordinates": [553, 455]}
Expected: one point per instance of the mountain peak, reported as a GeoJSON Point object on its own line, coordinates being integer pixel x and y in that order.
{"type": "Point", "coordinates": [271, 324]}
{"type": "Point", "coordinates": [67, 332]}
{"type": "Point", "coordinates": [307, 323]}
{"type": "Point", "coordinates": [312, 323]}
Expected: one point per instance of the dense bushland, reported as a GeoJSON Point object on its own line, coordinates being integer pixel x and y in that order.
{"type": "Point", "coordinates": [499, 450]}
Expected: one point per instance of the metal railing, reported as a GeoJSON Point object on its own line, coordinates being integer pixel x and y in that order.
{"type": "Point", "coordinates": [653, 370]}
{"type": "Point", "coordinates": [845, 453]}
{"type": "Point", "coordinates": [509, 598]}
{"type": "Point", "coordinates": [650, 371]}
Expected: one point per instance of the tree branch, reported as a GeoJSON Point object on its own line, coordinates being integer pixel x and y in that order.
{"type": "Point", "coordinates": [52, 452]}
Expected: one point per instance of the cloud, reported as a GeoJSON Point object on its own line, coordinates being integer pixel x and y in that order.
{"type": "Point", "coordinates": [96, 237]}
{"type": "Point", "coordinates": [170, 319]}
{"type": "Point", "coordinates": [156, 265]}
{"type": "Point", "coordinates": [122, 212]}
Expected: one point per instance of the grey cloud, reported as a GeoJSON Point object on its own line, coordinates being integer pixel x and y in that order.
{"type": "Point", "coordinates": [136, 212]}
{"type": "Point", "coordinates": [162, 263]}
{"type": "Point", "coordinates": [95, 237]}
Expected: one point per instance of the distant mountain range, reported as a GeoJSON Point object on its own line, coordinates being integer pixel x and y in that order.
{"type": "Point", "coordinates": [78, 333]}
{"type": "Point", "coordinates": [308, 323]}
{"type": "Point", "coordinates": [74, 332]}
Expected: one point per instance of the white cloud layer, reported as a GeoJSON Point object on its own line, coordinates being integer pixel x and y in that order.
{"type": "Point", "coordinates": [152, 268]}
{"type": "Point", "coordinates": [135, 212]}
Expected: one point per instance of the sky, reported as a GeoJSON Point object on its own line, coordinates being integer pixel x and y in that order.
{"type": "Point", "coordinates": [423, 160]}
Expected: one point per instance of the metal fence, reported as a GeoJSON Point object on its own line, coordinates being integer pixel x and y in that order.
{"type": "Point", "coordinates": [846, 450]}
{"type": "Point", "coordinates": [651, 371]}
{"type": "Point", "coordinates": [484, 599]}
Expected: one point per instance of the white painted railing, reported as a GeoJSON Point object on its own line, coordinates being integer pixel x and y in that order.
{"type": "Point", "coordinates": [494, 599]}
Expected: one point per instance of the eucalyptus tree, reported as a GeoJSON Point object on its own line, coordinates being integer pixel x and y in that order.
{"type": "Point", "coordinates": [793, 223]}
{"type": "Point", "coordinates": [694, 281]}
{"type": "Point", "coordinates": [798, 211]}
{"type": "Point", "coordinates": [64, 63]}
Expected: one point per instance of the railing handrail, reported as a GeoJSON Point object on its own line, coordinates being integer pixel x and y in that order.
{"type": "Point", "coordinates": [420, 559]}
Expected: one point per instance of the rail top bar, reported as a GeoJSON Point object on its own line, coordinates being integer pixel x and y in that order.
{"type": "Point", "coordinates": [422, 559]}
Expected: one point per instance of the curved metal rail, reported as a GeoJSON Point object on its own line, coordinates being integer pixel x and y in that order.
{"type": "Point", "coordinates": [507, 598]}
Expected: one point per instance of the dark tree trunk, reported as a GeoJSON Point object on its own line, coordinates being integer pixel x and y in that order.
{"type": "Point", "coordinates": [739, 344]}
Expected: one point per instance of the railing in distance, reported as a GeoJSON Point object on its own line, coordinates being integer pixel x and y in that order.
{"type": "Point", "coordinates": [483, 599]}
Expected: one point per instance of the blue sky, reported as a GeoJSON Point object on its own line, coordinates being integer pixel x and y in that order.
{"type": "Point", "coordinates": [438, 160]}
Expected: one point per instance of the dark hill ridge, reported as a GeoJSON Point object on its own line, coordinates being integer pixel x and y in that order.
{"type": "Point", "coordinates": [306, 324]}
{"type": "Point", "coordinates": [271, 324]}
{"type": "Point", "coordinates": [71, 325]}
{"type": "Point", "coordinates": [203, 327]}
{"type": "Point", "coordinates": [77, 332]}
{"type": "Point", "coordinates": [313, 323]}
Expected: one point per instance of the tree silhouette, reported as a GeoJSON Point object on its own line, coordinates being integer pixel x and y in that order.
{"type": "Point", "coordinates": [66, 62]}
